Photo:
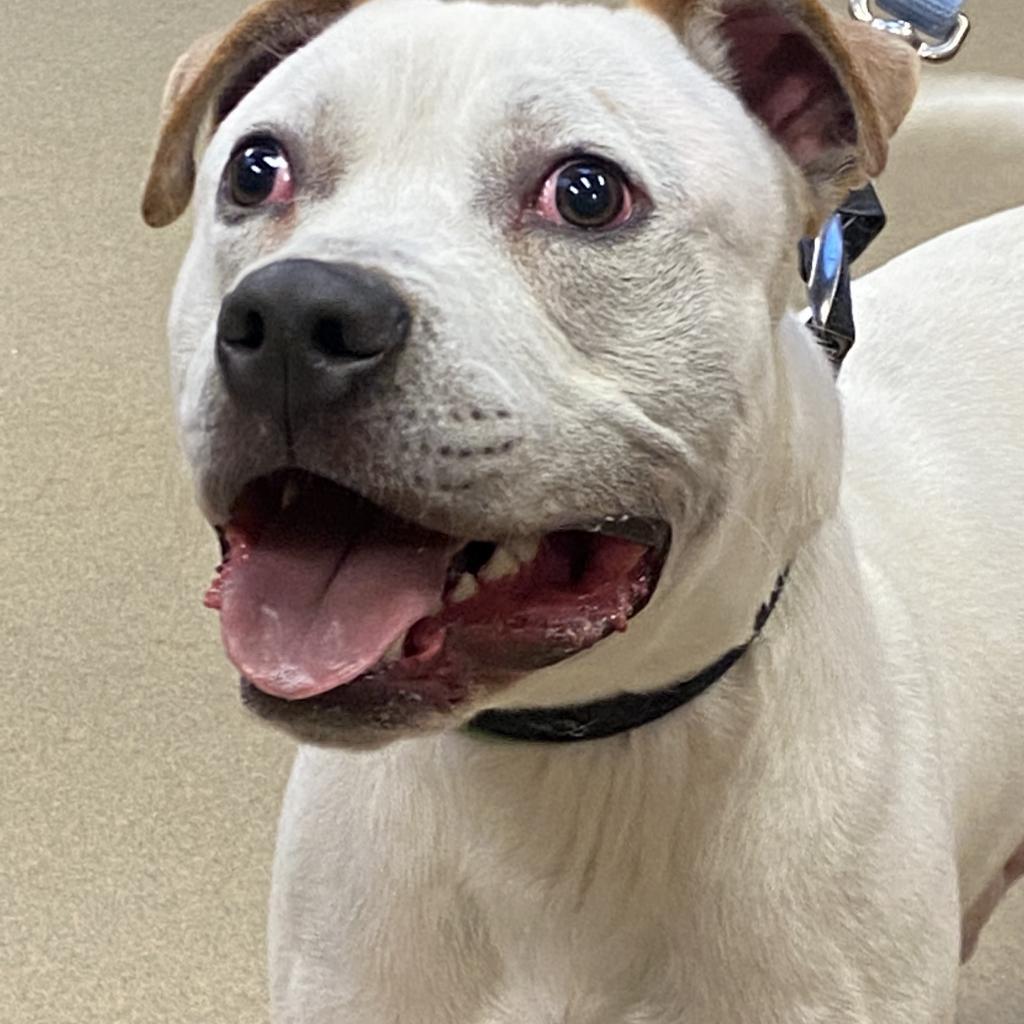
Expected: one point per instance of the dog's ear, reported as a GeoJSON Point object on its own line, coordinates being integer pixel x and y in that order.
{"type": "Point", "coordinates": [831, 92]}
{"type": "Point", "coordinates": [211, 78]}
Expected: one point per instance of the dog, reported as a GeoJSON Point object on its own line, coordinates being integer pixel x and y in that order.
{"type": "Point", "coordinates": [484, 369]}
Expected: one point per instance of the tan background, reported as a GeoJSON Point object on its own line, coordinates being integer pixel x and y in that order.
{"type": "Point", "coordinates": [137, 803]}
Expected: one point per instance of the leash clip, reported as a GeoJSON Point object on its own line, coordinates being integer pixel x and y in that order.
{"type": "Point", "coordinates": [825, 264]}
{"type": "Point", "coordinates": [827, 257]}
{"type": "Point", "coordinates": [938, 48]}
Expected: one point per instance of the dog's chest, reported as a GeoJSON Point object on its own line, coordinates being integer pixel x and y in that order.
{"type": "Point", "coordinates": [564, 964]}
{"type": "Point", "coordinates": [480, 917]}
{"type": "Point", "coordinates": [522, 952]}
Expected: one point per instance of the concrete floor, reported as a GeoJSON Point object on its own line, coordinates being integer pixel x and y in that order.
{"type": "Point", "coordinates": [137, 803]}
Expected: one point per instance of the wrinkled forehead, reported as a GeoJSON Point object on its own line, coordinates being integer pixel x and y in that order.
{"type": "Point", "coordinates": [401, 74]}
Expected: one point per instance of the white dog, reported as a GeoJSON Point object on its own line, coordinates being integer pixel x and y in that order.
{"type": "Point", "coordinates": [483, 367]}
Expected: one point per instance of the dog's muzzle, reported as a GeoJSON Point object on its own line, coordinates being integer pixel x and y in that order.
{"type": "Point", "coordinates": [364, 612]}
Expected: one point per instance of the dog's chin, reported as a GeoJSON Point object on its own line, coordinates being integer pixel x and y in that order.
{"type": "Point", "coordinates": [370, 712]}
{"type": "Point", "coordinates": [352, 626]}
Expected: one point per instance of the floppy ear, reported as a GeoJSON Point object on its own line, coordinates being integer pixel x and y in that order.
{"type": "Point", "coordinates": [831, 92]}
{"type": "Point", "coordinates": [211, 78]}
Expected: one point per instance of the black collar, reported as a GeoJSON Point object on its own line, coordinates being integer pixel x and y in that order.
{"type": "Point", "coordinates": [602, 718]}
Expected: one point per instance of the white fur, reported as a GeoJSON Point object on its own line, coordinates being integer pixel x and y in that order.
{"type": "Point", "coordinates": [800, 844]}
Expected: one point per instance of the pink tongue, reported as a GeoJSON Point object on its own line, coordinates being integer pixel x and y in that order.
{"type": "Point", "coordinates": [302, 613]}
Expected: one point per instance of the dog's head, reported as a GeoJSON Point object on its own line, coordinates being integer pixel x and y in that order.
{"type": "Point", "coordinates": [480, 350]}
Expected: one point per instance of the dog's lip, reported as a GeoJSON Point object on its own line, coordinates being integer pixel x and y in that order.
{"type": "Point", "coordinates": [652, 533]}
{"type": "Point", "coordinates": [649, 531]}
{"type": "Point", "coordinates": [641, 529]}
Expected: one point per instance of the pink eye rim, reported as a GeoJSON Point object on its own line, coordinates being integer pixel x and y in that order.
{"type": "Point", "coordinates": [588, 193]}
{"type": "Point", "coordinates": [259, 174]}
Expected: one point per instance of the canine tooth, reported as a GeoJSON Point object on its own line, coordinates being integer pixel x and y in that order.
{"type": "Point", "coordinates": [289, 494]}
{"type": "Point", "coordinates": [465, 588]}
{"type": "Point", "coordinates": [394, 652]}
{"type": "Point", "coordinates": [502, 563]}
{"type": "Point", "coordinates": [524, 549]}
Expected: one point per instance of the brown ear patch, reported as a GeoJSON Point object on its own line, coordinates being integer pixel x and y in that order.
{"type": "Point", "coordinates": [216, 75]}
{"type": "Point", "coordinates": [831, 92]}
{"type": "Point", "coordinates": [885, 73]}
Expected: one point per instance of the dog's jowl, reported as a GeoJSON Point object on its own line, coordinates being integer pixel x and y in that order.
{"type": "Point", "coordinates": [644, 674]}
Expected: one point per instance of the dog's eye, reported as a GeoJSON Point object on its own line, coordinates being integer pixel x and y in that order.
{"type": "Point", "coordinates": [258, 172]}
{"type": "Point", "coordinates": [587, 193]}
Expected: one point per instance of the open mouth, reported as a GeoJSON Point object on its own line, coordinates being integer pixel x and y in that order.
{"type": "Point", "coordinates": [319, 588]}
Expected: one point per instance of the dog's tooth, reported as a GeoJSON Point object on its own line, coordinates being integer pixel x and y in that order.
{"type": "Point", "coordinates": [394, 652]}
{"type": "Point", "coordinates": [524, 549]}
{"type": "Point", "coordinates": [465, 588]}
{"type": "Point", "coordinates": [502, 563]}
{"type": "Point", "coordinates": [289, 493]}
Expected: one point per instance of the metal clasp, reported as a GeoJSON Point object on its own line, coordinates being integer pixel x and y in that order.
{"type": "Point", "coordinates": [928, 49]}
{"type": "Point", "coordinates": [826, 269]}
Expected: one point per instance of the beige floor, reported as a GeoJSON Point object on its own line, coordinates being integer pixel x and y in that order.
{"type": "Point", "coordinates": [137, 803]}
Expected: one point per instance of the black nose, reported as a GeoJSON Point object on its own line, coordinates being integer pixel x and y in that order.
{"type": "Point", "coordinates": [294, 335]}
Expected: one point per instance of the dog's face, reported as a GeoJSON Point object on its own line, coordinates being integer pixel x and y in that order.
{"type": "Point", "coordinates": [474, 353]}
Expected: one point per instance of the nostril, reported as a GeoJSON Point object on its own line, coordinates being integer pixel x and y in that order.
{"type": "Point", "coordinates": [245, 332]}
{"type": "Point", "coordinates": [328, 337]}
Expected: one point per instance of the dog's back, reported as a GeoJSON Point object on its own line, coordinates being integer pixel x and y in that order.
{"type": "Point", "coordinates": [934, 487]}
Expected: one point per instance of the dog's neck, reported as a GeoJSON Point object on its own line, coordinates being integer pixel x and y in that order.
{"type": "Point", "coordinates": [537, 804]}
{"type": "Point", "coordinates": [787, 489]}
{"type": "Point", "coordinates": [668, 785]}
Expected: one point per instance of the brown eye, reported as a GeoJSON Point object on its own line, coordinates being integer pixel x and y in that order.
{"type": "Point", "coordinates": [258, 172]}
{"type": "Point", "coordinates": [587, 193]}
